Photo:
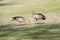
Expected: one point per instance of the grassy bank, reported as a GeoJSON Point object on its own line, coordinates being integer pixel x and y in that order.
{"type": "Point", "coordinates": [41, 32]}
{"type": "Point", "coordinates": [48, 31]}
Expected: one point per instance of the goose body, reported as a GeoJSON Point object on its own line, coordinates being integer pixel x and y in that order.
{"type": "Point", "coordinates": [19, 19]}
{"type": "Point", "coordinates": [38, 16]}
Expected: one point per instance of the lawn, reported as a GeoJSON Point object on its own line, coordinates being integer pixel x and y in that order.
{"type": "Point", "coordinates": [46, 31]}
{"type": "Point", "coordinates": [41, 32]}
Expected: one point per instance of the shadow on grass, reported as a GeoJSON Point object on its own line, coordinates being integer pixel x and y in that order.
{"type": "Point", "coordinates": [5, 4]}
{"type": "Point", "coordinates": [1, 0]}
{"type": "Point", "coordinates": [35, 32]}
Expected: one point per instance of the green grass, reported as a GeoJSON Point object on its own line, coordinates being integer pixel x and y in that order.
{"type": "Point", "coordinates": [48, 6]}
{"type": "Point", "coordinates": [41, 32]}
{"type": "Point", "coordinates": [49, 31]}
{"type": "Point", "coordinates": [51, 6]}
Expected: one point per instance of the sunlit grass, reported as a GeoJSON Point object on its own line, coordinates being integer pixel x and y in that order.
{"type": "Point", "coordinates": [47, 7]}
{"type": "Point", "coordinates": [48, 31]}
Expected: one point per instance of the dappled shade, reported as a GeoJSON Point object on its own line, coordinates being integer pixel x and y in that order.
{"type": "Point", "coordinates": [50, 31]}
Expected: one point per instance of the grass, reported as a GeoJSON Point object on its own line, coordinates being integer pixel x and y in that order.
{"type": "Point", "coordinates": [45, 7]}
{"type": "Point", "coordinates": [24, 7]}
{"type": "Point", "coordinates": [48, 31]}
{"type": "Point", "coordinates": [41, 32]}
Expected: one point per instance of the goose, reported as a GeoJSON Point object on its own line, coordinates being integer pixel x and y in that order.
{"type": "Point", "coordinates": [20, 19]}
{"type": "Point", "coordinates": [38, 16]}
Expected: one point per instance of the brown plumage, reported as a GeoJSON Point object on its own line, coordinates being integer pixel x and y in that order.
{"type": "Point", "coordinates": [18, 19]}
{"type": "Point", "coordinates": [21, 19]}
{"type": "Point", "coordinates": [38, 16]}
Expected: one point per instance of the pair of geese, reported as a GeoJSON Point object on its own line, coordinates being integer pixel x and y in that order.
{"type": "Point", "coordinates": [36, 16]}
